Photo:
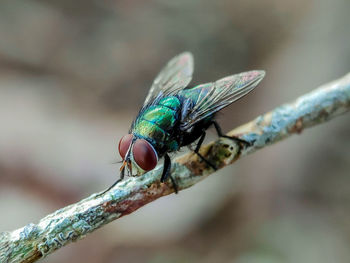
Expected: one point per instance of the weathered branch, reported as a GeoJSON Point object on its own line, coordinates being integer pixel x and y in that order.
{"type": "Point", "coordinates": [73, 222]}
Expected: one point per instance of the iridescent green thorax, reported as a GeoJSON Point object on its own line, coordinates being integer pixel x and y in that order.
{"type": "Point", "coordinates": [156, 123]}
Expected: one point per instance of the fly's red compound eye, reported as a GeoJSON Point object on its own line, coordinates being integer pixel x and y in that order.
{"type": "Point", "coordinates": [124, 144]}
{"type": "Point", "coordinates": [144, 155]}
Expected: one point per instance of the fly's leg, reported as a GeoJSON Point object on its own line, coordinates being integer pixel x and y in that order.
{"type": "Point", "coordinates": [115, 183]}
{"type": "Point", "coordinates": [199, 144]}
{"type": "Point", "coordinates": [166, 168]}
{"type": "Point", "coordinates": [221, 134]}
{"type": "Point", "coordinates": [166, 172]}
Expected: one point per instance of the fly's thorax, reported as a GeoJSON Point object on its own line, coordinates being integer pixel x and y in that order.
{"type": "Point", "coordinates": [157, 122]}
{"type": "Point", "coordinates": [171, 102]}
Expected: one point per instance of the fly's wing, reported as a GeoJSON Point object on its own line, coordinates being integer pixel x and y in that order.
{"type": "Point", "coordinates": [212, 97]}
{"type": "Point", "coordinates": [173, 77]}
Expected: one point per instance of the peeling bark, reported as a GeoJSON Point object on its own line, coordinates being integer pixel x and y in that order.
{"type": "Point", "coordinates": [73, 222]}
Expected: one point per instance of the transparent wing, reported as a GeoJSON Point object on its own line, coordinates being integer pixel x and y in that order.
{"type": "Point", "coordinates": [212, 97]}
{"type": "Point", "coordinates": [173, 77]}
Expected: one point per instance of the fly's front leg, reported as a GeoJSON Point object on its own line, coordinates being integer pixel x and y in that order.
{"type": "Point", "coordinates": [122, 174]}
{"type": "Point", "coordinates": [166, 172]}
{"type": "Point", "coordinates": [221, 134]}
{"type": "Point", "coordinates": [199, 144]}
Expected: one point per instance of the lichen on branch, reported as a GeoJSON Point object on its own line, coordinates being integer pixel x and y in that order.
{"type": "Point", "coordinates": [73, 222]}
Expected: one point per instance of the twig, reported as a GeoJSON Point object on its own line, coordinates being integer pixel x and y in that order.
{"type": "Point", "coordinates": [73, 222]}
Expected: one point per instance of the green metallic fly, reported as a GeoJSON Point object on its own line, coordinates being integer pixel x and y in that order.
{"type": "Point", "coordinates": [174, 116]}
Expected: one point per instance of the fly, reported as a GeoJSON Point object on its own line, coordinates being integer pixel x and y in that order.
{"type": "Point", "coordinates": [174, 115]}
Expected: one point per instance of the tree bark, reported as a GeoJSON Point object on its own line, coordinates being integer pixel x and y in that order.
{"type": "Point", "coordinates": [35, 241]}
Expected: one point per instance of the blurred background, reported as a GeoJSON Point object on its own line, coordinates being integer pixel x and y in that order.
{"type": "Point", "coordinates": [73, 75]}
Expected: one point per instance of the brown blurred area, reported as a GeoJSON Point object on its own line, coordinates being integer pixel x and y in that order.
{"type": "Point", "coordinates": [73, 74]}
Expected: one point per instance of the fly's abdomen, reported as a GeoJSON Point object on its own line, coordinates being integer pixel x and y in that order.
{"type": "Point", "coordinates": [156, 123]}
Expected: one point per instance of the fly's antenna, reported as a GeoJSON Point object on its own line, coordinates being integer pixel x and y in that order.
{"type": "Point", "coordinates": [116, 162]}
{"type": "Point", "coordinates": [126, 163]}
{"type": "Point", "coordinates": [127, 159]}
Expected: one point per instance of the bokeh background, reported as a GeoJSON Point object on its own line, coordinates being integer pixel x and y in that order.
{"type": "Point", "coordinates": [73, 74]}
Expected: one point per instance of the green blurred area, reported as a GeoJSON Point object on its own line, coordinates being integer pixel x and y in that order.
{"type": "Point", "coordinates": [73, 74]}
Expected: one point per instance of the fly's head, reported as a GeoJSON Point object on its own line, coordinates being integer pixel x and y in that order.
{"type": "Point", "coordinates": [137, 153]}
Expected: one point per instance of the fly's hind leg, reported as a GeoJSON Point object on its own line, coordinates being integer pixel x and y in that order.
{"type": "Point", "coordinates": [166, 172]}
{"type": "Point", "coordinates": [199, 144]}
{"type": "Point", "coordinates": [221, 134]}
